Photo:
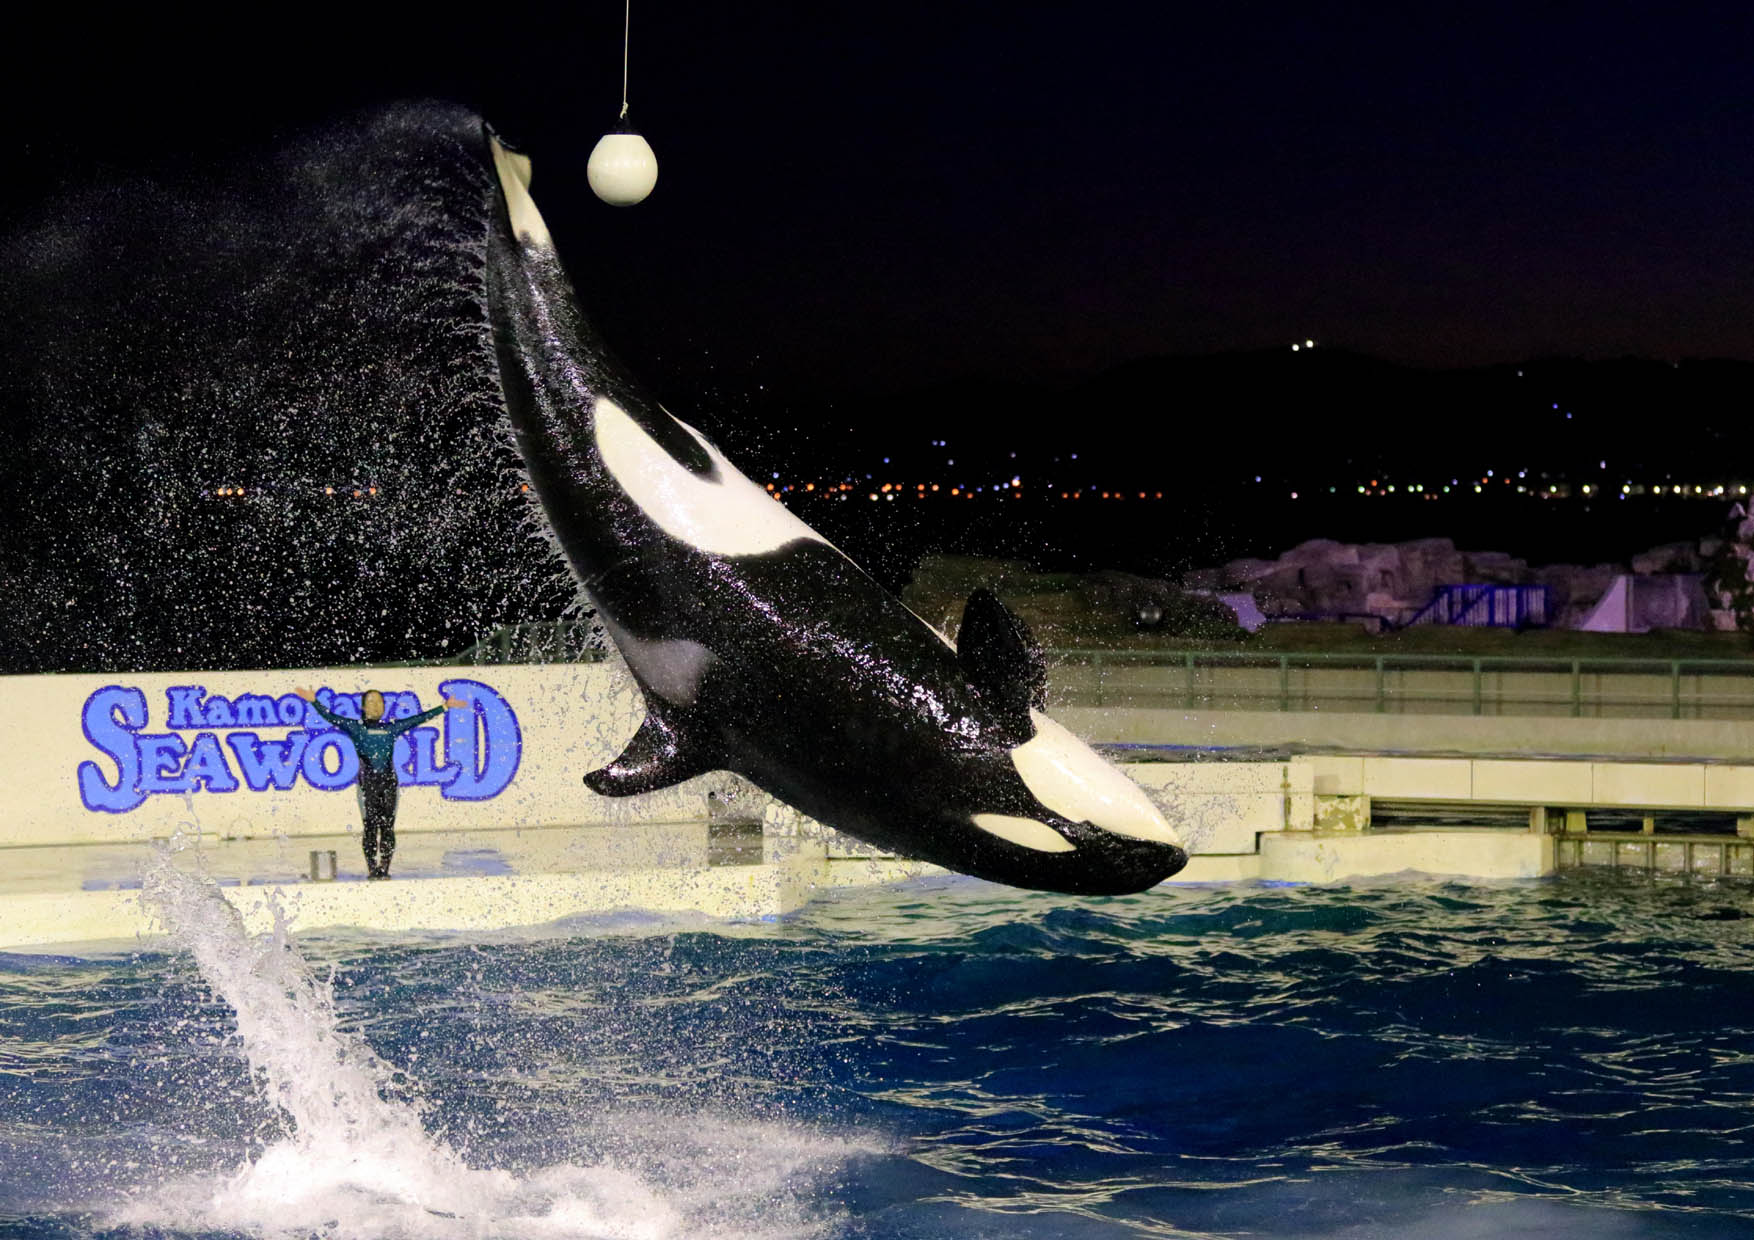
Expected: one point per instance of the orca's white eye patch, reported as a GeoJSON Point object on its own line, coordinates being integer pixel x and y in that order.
{"type": "Point", "coordinates": [1026, 832]}
{"type": "Point", "coordinates": [1073, 780]}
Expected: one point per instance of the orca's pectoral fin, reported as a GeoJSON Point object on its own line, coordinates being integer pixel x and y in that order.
{"type": "Point", "coordinates": [1001, 659]}
{"type": "Point", "coordinates": [658, 756]}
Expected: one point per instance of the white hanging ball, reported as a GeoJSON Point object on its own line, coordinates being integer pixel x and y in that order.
{"type": "Point", "coordinates": [623, 169]}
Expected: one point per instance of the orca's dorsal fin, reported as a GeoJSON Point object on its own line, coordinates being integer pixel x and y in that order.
{"type": "Point", "coordinates": [1001, 659]}
{"type": "Point", "coordinates": [658, 756]}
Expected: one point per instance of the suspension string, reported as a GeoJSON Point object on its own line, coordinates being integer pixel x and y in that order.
{"type": "Point", "coordinates": [626, 28]}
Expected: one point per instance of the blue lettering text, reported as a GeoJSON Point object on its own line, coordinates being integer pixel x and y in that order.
{"type": "Point", "coordinates": [485, 764]}
{"type": "Point", "coordinates": [207, 766]}
{"type": "Point", "coordinates": [316, 768]}
{"type": "Point", "coordinates": [254, 711]}
{"type": "Point", "coordinates": [268, 762]}
{"type": "Point", "coordinates": [427, 768]}
{"type": "Point", "coordinates": [185, 707]}
{"type": "Point", "coordinates": [111, 717]}
{"type": "Point", "coordinates": [161, 762]}
{"type": "Point", "coordinates": [473, 757]}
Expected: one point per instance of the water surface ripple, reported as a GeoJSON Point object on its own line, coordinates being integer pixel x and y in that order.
{"type": "Point", "coordinates": [949, 1058]}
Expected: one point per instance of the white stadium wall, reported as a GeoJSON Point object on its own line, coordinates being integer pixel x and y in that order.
{"type": "Point", "coordinates": [124, 758]}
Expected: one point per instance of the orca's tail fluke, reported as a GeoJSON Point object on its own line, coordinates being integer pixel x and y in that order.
{"type": "Point", "coordinates": [516, 160]}
{"type": "Point", "coordinates": [514, 184]}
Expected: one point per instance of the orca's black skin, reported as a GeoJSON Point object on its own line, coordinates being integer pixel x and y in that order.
{"type": "Point", "coordinates": [821, 688]}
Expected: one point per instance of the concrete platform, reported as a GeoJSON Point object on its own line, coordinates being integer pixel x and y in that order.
{"type": "Point", "coordinates": [496, 830]}
{"type": "Point", "coordinates": [81, 896]}
{"type": "Point", "coordinates": [69, 896]}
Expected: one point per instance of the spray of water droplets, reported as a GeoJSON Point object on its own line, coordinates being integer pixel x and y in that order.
{"type": "Point", "coordinates": [256, 415]}
{"type": "Point", "coordinates": [351, 1155]}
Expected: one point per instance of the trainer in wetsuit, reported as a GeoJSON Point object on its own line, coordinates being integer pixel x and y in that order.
{"type": "Point", "coordinates": [375, 743]}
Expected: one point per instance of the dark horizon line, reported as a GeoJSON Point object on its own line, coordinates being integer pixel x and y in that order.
{"type": "Point", "coordinates": [776, 388]}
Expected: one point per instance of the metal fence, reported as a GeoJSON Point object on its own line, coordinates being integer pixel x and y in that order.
{"type": "Point", "coordinates": [1488, 606]}
{"type": "Point", "coordinates": [1407, 684]}
{"type": "Point", "coordinates": [539, 641]}
{"type": "Point", "coordinates": [1255, 680]}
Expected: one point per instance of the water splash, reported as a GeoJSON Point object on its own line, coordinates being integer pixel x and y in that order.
{"type": "Point", "coordinates": [255, 418]}
{"type": "Point", "coordinates": [350, 1155]}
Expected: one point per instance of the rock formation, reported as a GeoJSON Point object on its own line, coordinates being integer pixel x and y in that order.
{"type": "Point", "coordinates": [1394, 581]}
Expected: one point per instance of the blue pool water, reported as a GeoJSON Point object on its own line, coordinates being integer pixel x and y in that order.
{"type": "Point", "coordinates": [1572, 1057]}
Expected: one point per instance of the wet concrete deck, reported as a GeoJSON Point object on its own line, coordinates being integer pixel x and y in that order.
{"type": "Point", "coordinates": [93, 894]}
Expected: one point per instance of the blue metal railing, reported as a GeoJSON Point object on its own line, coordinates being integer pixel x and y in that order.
{"type": "Point", "coordinates": [1488, 606]}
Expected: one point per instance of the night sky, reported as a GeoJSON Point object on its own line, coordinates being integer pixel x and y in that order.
{"type": "Point", "coordinates": [877, 197]}
{"type": "Point", "coordinates": [952, 245]}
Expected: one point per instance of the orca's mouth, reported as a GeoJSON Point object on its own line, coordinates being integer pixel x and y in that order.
{"type": "Point", "coordinates": [1113, 864]}
{"type": "Point", "coordinates": [1140, 870]}
{"type": "Point", "coordinates": [1102, 864]}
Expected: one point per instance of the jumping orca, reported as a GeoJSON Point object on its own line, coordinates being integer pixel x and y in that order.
{"type": "Point", "coordinates": [760, 648]}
